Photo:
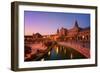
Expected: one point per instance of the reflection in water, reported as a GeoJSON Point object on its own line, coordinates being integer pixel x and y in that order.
{"type": "Point", "coordinates": [42, 59]}
{"type": "Point", "coordinates": [49, 53]}
{"type": "Point", "coordinates": [71, 56]}
{"type": "Point", "coordinates": [61, 53]}
{"type": "Point", "coordinates": [56, 50]}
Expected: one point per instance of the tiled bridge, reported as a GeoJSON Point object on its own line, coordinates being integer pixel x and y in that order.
{"type": "Point", "coordinates": [83, 50]}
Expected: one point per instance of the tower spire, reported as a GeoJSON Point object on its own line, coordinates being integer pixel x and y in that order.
{"type": "Point", "coordinates": [76, 23]}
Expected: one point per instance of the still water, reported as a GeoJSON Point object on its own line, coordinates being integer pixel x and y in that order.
{"type": "Point", "coordinates": [61, 53]}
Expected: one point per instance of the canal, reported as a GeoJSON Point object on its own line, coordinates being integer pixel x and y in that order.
{"type": "Point", "coordinates": [61, 53]}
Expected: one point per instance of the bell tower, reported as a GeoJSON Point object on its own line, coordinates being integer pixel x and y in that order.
{"type": "Point", "coordinates": [76, 24]}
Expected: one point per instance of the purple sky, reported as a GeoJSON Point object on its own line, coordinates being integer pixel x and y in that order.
{"type": "Point", "coordinates": [48, 22]}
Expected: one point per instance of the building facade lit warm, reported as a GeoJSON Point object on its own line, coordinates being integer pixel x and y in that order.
{"type": "Point", "coordinates": [63, 34]}
{"type": "Point", "coordinates": [75, 34]}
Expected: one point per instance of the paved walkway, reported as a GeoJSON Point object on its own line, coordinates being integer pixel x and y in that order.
{"type": "Point", "coordinates": [35, 47]}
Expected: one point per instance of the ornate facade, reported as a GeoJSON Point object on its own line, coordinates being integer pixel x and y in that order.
{"type": "Point", "coordinates": [75, 34]}
{"type": "Point", "coordinates": [63, 34]}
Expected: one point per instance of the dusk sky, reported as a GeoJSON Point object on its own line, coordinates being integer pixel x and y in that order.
{"type": "Point", "coordinates": [47, 23]}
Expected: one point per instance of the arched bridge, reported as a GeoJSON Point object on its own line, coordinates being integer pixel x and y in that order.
{"type": "Point", "coordinates": [83, 50]}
